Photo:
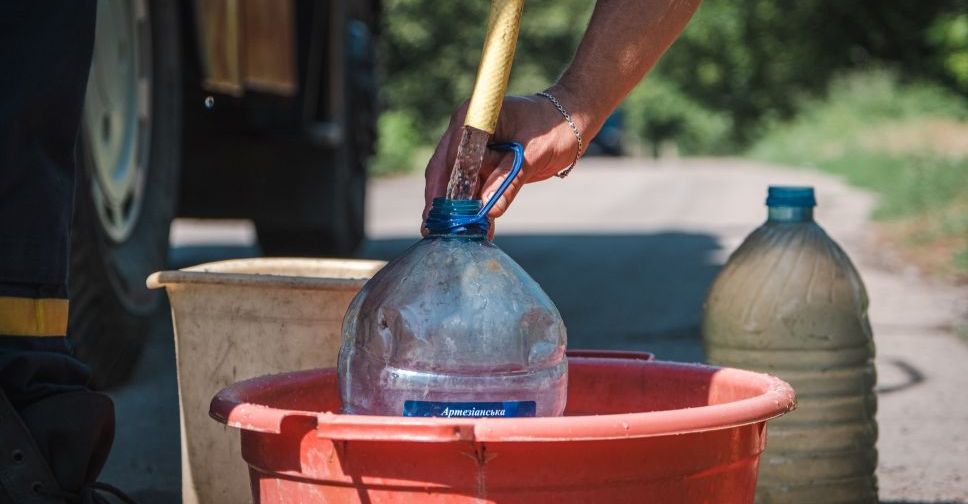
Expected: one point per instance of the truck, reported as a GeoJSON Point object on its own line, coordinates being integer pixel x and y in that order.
{"type": "Point", "coordinates": [256, 109]}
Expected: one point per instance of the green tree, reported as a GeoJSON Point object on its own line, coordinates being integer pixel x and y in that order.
{"type": "Point", "coordinates": [430, 51]}
{"type": "Point", "coordinates": [739, 66]}
{"type": "Point", "coordinates": [756, 59]}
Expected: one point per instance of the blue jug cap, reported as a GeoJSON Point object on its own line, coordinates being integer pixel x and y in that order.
{"type": "Point", "coordinates": [791, 196]}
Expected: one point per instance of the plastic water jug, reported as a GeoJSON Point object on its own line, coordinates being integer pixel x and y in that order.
{"type": "Point", "coordinates": [790, 303]}
{"type": "Point", "coordinates": [454, 328]}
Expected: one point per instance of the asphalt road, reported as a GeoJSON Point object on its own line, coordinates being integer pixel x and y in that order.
{"type": "Point", "coordinates": [627, 249]}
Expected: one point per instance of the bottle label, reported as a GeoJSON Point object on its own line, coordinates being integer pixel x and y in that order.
{"type": "Point", "coordinates": [504, 409]}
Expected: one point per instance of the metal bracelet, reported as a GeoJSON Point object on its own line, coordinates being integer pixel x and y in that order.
{"type": "Point", "coordinates": [554, 101]}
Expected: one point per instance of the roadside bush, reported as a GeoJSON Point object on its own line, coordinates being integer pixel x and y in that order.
{"type": "Point", "coordinates": [398, 140]}
{"type": "Point", "coordinates": [827, 126]}
{"type": "Point", "coordinates": [657, 111]}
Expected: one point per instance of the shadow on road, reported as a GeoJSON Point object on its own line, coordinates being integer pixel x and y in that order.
{"type": "Point", "coordinates": [185, 256]}
{"type": "Point", "coordinates": [919, 502]}
{"type": "Point", "coordinates": [912, 377]}
{"type": "Point", "coordinates": [615, 291]}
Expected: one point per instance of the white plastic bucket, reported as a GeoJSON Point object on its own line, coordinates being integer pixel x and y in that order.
{"type": "Point", "coordinates": [239, 319]}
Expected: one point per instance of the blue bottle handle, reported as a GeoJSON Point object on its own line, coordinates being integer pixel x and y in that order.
{"type": "Point", "coordinates": [457, 223]}
{"type": "Point", "coordinates": [518, 151]}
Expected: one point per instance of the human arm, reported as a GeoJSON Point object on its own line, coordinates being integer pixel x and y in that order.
{"type": "Point", "coordinates": [623, 41]}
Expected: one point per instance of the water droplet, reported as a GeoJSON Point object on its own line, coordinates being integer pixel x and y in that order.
{"type": "Point", "coordinates": [209, 102]}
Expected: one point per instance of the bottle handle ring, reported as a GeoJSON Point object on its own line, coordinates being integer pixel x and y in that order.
{"type": "Point", "coordinates": [518, 151]}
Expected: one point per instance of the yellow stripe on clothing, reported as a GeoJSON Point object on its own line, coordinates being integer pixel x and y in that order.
{"type": "Point", "coordinates": [42, 317]}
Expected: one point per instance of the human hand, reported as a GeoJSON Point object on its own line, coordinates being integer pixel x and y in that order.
{"type": "Point", "coordinates": [549, 147]}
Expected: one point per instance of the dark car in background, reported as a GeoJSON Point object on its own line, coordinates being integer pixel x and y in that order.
{"type": "Point", "coordinates": [609, 141]}
{"type": "Point", "coordinates": [255, 109]}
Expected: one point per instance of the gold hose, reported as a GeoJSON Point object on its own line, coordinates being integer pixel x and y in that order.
{"type": "Point", "coordinates": [492, 75]}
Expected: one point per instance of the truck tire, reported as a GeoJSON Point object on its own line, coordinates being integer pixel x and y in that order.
{"type": "Point", "coordinates": [345, 187]}
{"type": "Point", "coordinates": [127, 185]}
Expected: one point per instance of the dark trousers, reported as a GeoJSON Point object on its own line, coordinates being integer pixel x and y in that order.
{"type": "Point", "coordinates": [45, 54]}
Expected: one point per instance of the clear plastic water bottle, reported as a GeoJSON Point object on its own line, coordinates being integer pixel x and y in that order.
{"type": "Point", "coordinates": [454, 328]}
{"type": "Point", "coordinates": [790, 303]}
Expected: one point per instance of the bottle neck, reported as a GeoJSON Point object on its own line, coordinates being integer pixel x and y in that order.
{"type": "Point", "coordinates": [790, 214]}
{"type": "Point", "coordinates": [449, 218]}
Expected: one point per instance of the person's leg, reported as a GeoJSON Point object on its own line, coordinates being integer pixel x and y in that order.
{"type": "Point", "coordinates": [45, 53]}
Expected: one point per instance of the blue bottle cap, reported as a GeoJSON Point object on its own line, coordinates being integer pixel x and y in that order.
{"type": "Point", "coordinates": [791, 196]}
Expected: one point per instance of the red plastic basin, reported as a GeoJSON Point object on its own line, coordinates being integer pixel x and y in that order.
{"type": "Point", "coordinates": [634, 430]}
